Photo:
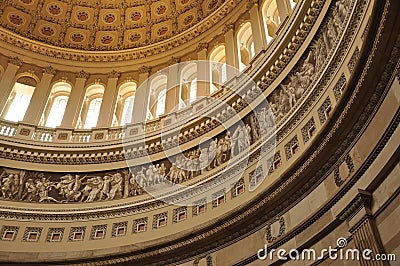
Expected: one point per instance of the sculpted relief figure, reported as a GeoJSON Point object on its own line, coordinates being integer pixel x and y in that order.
{"type": "Point", "coordinates": [69, 186]}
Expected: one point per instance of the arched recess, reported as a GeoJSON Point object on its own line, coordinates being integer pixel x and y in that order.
{"type": "Point", "coordinates": [246, 45]}
{"type": "Point", "coordinates": [56, 104]}
{"type": "Point", "coordinates": [217, 71]}
{"type": "Point", "coordinates": [188, 81]}
{"type": "Point", "coordinates": [91, 106]}
{"type": "Point", "coordinates": [20, 96]}
{"type": "Point", "coordinates": [271, 19]}
{"type": "Point", "coordinates": [158, 97]}
{"type": "Point", "coordinates": [124, 108]}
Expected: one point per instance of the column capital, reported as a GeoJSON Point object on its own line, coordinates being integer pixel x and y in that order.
{"type": "Point", "coordinates": [227, 27]}
{"type": "Point", "coordinates": [362, 200]}
{"type": "Point", "coordinates": [83, 74]}
{"type": "Point", "coordinates": [15, 61]}
{"type": "Point", "coordinates": [144, 70]}
{"type": "Point", "coordinates": [114, 74]}
{"type": "Point", "coordinates": [49, 70]}
{"type": "Point", "coordinates": [201, 46]}
{"type": "Point", "coordinates": [174, 60]}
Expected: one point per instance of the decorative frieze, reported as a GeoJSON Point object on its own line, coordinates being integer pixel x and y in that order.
{"type": "Point", "coordinates": [9, 233]}
{"type": "Point", "coordinates": [160, 220]}
{"type": "Point", "coordinates": [32, 234]}
{"type": "Point", "coordinates": [278, 222]}
{"type": "Point", "coordinates": [325, 110]}
{"type": "Point", "coordinates": [292, 147]}
{"type": "Point", "coordinates": [308, 130]}
{"type": "Point", "coordinates": [353, 60]}
{"type": "Point", "coordinates": [140, 225]}
{"type": "Point", "coordinates": [98, 232]}
{"type": "Point", "coordinates": [55, 234]}
{"type": "Point", "coordinates": [77, 233]}
{"type": "Point", "coordinates": [119, 229]}
{"type": "Point", "coordinates": [339, 87]}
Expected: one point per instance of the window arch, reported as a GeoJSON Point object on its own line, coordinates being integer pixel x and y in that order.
{"type": "Point", "coordinates": [188, 81]}
{"type": "Point", "coordinates": [158, 100]}
{"type": "Point", "coordinates": [246, 45]}
{"type": "Point", "coordinates": [217, 71]}
{"type": "Point", "coordinates": [124, 108]}
{"type": "Point", "coordinates": [91, 106]}
{"type": "Point", "coordinates": [19, 98]}
{"type": "Point", "coordinates": [271, 19]}
{"type": "Point", "coordinates": [56, 104]}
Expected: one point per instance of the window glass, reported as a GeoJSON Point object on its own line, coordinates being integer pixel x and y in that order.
{"type": "Point", "coordinates": [93, 113]}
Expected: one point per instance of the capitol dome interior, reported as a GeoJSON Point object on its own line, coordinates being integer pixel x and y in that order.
{"type": "Point", "coordinates": [199, 132]}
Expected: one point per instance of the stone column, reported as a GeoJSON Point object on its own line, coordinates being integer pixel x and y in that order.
{"type": "Point", "coordinates": [231, 50]}
{"type": "Point", "coordinates": [39, 97]}
{"type": "Point", "coordinates": [141, 104]}
{"type": "Point", "coordinates": [173, 86]}
{"type": "Point", "coordinates": [363, 227]}
{"type": "Point", "coordinates": [75, 101]}
{"type": "Point", "coordinates": [257, 27]}
{"type": "Point", "coordinates": [203, 71]}
{"type": "Point", "coordinates": [109, 101]}
{"type": "Point", "coordinates": [284, 9]}
{"type": "Point", "coordinates": [7, 80]}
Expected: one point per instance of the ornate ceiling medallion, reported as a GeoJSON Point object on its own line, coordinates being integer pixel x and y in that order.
{"type": "Point", "coordinates": [82, 15]}
{"type": "Point", "coordinates": [54, 9]}
{"type": "Point", "coordinates": [136, 16]}
{"type": "Point", "coordinates": [16, 19]}
{"type": "Point", "coordinates": [77, 37]}
{"type": "Point", "coordinates": [161, 9]}
{"type": "Point", "coordinates": [135, 37]}
{"type": "Point", "coordinates": [109, 18]}
{"type": "Point", "coordinates": [107, 39]}
{"type": "Point", "coordinates": [47, 31]}
{"type": "Point", "coordinates": [162, 31]}
{"type": "Point", "coordinates": [188, 20]}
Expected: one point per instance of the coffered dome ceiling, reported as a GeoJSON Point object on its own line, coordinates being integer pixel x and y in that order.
{"type": "Point", "coordinates": [103, 24]}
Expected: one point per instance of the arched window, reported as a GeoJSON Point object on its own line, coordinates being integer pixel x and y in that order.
{"type": "Point", "coordinates": [91, 107]}
{"type": "Point", "coordinates": [124, 107]}
{"type": "Point", "coordinates": [218, 67]}
{"type": "Point", "coordinates": [271, 19]}
{"type": "Point", "coordinates": [246, 45]}
{"type": "Point", "coordinates": [93, 113]}
{"type": "Point", "coordinates": [161, 98]}
{"type": "Point", "coordinates": [157, 102]}
{"type": "Point", "coordinates": [57, 111]}
{"type": "Point", "coordinates": [127, 110]}
{"type": "Point", "coordinates": [19, 99]}
{"type": "Point", "coordinates": [56, 104]}
{"type": "Point", "coordinates": [188, 82]}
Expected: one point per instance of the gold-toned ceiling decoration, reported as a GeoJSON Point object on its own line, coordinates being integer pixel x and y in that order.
{"type": "Point", "coordinates": [102, 24]}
